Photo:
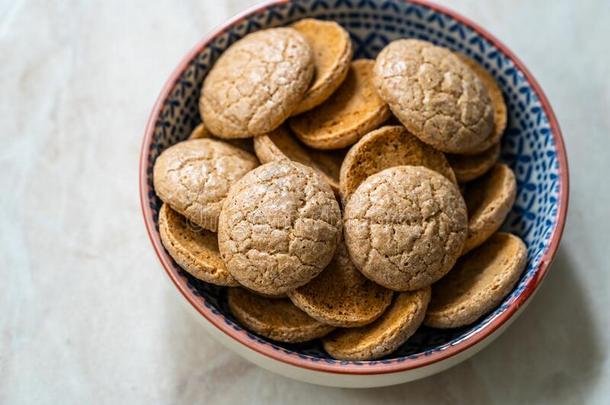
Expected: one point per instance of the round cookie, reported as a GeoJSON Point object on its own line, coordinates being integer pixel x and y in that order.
{"type": "Point", "coordinates": [280, 144]}
{"type": "Point", "coordinates": [201, 132]}
{"type": "Point", "coordinates": [194, 177]}
{"type": "Point", "coordinates": [332, 52]}
{"type": "Point", "coordinates": [279, 227]}
{"type": "Point", "coordinates": [469, 167]}
{"type": "Point", "coordinates": [405, 227]}
{"type": "Point", "coordinates": [489, 200]}
{"type": "Point", "coordinates": [352, 111]}
{"type": "Point", "coordinates": [195, 250]}
{"type": "Point", "coordinates": [478, 282]}
{"type": "Point", "coordinates": [387, 147]}
{"type": "Point", "coordinates": [256, 83]}
{"type": "Point", "coordinates": [436, 96]}
{"type": "Point", "coordinates": [497, 101]}
{"type": "Point", "coordinates": [384, 335]}
{"type": "Point", "coordinates": [341, 295]}
{"type": "Point", "coordinates": [276, 319]}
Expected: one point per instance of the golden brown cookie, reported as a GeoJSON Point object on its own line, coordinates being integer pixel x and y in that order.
{"type": "Point", "coordinates": [194, 177]}
{"type": "Point", "coordinates": [352, 111]}
{"type": "Point", "coordinates": [436, 96]}
{"type": "Point", "coordinates": [386, 147]}
{"type": "Point", "coordinates": [193, 248]}
{"type": "Point", "coordinates": [332, 54]}
{"type": "Point", "coordinates": [384, 335]}
{"type": "Point", "coordinates": [489, 200]}
{"type": "Point", "coordinates": [341, 295]}
{"type": "Point", "coordinates": [469, 167]}
{"type": "Point", "coordinates": [276, 319]}
{"type": "Point", "coordinates": [256, 83]}
{"type": "Point", "coordinates": [279, 227]}
{"type": "Point", "coordinates": [478, 282]}
{"type": "Point", "coordinates": [497, 101]}
{"type": "Point", "coordinates": [405, 227]}
{"type": "Point", "coordinates": [280, 144]}
{"type": "Point", "coordinates": [201, 132]}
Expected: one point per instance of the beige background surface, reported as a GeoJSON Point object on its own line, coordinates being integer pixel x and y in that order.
{"type": "Point", "coordinates": [87, 316]}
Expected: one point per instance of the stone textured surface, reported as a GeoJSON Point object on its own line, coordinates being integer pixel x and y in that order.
{"type": "Point", "coordinates": [73, 330]}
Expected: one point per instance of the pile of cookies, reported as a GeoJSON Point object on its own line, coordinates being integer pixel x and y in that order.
{"type": "Point", "coordinates": [347, 200]}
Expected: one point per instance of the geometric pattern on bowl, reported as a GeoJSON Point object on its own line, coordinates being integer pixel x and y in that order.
{"type": "Point", "coordinates": [528, 145]}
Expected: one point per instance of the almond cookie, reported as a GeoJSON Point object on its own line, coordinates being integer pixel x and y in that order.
{"type": "Point", "coordinates": [279, 227]}
{"type": "Point", "coordinates": [489, 200]}
{"type": "Point", "coordinates": [201, 132]}
{"type": "Point", "coordinates": [280, 144]}
{"type": "Point", "coordinates": [256, 83]}
{"type": "Point", "coordinates": [352, 111]}
{"type": "Point", "coordinates": [387, 147]}
{"type": "Point", "coordinates": [497, 101]}
{"type": "Point", "coordinates": [195, 250]}
{"type": "Point", "coordinates": [436, 96]}
{"type": "Point", "coordinates": [194, 177]}
{"type": "Point", "coordinates": [478, 282]}
{"type": "Point", "coordinates": [469, 167]}
{"type": "Point", "coordinates": [405, 227]}
{"type": "Point", "coordinates": [332, 52]}
{"type": "Point", "coordinates": [384, 335]}
{"type": "Point", "coordinates": [276, 319]}
{"type": "Point", "coordinates": [341, 295]}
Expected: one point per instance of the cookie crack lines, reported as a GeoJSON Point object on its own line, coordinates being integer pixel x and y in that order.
{"type": "Point", "coordinates": [418, 203]}
{"type": "Point", "coordinates": [283, 191]}
{"type": "Point", "coordinates": [279, 225]}
{"type": "Point", "coordinates": [251, 92]}
{"type": "Point", "coordinates": [435, 95]}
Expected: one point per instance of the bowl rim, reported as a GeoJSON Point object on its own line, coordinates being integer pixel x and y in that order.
{"type": "Point", "coordinates": [379, 367]}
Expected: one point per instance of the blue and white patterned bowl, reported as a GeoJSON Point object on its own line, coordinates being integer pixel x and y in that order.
{"type": "Point", "coordinates": [532, 146]}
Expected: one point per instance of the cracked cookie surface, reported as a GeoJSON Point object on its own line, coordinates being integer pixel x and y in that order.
{"type": "Point", "coordinates": [497, 102]}
{"type": "Point", "coordinates": [435, 95]}
{"type": "Point", "coordinates": [194, 177]}
{"type": "Point", "coordinates": [280, 144]}
{"type": "Point", "coordinates": [386, 147]}
{"type": "Point", "coordinates": [352, 111]}
{"type": "Point", "coordinates": [405, 227]}
{"type": "Point", "coordinates": [256, 83]}
{"type": "Point", "coordinates": [277, 319]}
{"type": "Point", "coordinates": [332, 52]}
{"type": "Point", "coordinates": [341, 295]}
{"type": "Point", "coordinates": [279, 227]}
{"type": "Point", "coordinates": [195, 250]}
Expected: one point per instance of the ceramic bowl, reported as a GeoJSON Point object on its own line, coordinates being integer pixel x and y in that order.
{"type": "Point", "coordinates": [532, 146]}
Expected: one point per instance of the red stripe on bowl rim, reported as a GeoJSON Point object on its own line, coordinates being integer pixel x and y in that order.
{"type": "Point", "coordinates": [379, 367]}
